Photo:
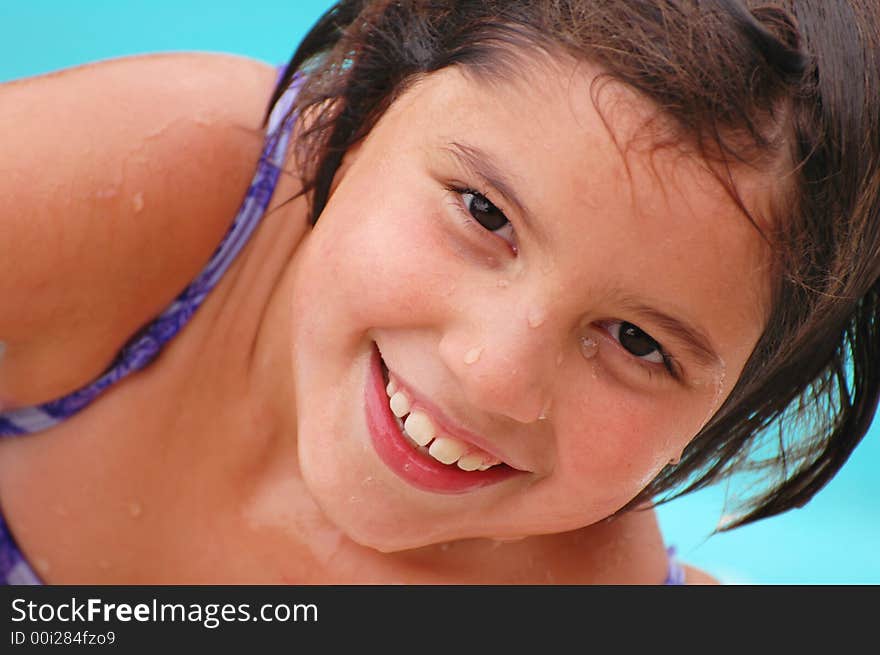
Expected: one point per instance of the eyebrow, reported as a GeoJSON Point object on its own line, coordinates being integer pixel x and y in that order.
{"type": "Point", "coordinates": [481, 164]}
{"type": "Point", "coordinates": [691, 337]}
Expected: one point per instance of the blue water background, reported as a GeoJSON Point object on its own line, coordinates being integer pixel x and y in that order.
{"type": "Point", "coordinates": [835, 539]}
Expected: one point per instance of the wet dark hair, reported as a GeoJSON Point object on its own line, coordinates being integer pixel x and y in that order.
{"type": "Point", "coordinates": [746, 83]}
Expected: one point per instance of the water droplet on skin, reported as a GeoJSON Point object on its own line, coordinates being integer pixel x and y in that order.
{"type": "Point", "coordinates": [717, 398]}
{"type": "Point", "coordinates": [719, 388]}
{"type": "Point", "coordinates": [135, 509]}
{"type": "Point", "coordinates": [106, 193]}
{"type": "Point", "coordinates": [589, 347]}
{"type": "Point", "coordinates": [158, 132]}
{"type": "Point", "coordinates": [444, 546]}
{"type": "Point", "coordinates": [472, 355]}
{"type": "Point", "coordinates": [407, 466]}
{"type": "Point", "coordinates": [503, 284]}
{"type": "Point", "coordinates": [536, 316]}
{"type": "Point", "coordinates": [137, 202]}
{"type": "Point", "coordinates": [545, 411]}
{"type": "Point", "coordinates": [559, 359]}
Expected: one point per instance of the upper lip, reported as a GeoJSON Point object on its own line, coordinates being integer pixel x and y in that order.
{"type": "Point", "coordinates": [447, 426]}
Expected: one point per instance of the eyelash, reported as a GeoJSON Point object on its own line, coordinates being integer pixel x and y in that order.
{"type": "Point", "coordinates": [669, 364]}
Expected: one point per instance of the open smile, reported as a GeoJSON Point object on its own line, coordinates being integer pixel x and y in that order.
{"type": "Point", "coordinates": [416, 451]}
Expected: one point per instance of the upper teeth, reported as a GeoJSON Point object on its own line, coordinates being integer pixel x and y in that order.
{"type": "Point", "coordinates": [419, 427]}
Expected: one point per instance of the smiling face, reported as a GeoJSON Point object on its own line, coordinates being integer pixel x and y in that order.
{"type": "Point", "coordinates": [538, 293]}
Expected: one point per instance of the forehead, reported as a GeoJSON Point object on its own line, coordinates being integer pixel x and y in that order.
{"type": "Point", "coordinates": [583, 155]}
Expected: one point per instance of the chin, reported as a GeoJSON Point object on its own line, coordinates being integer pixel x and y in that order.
{"type": "Point", "coordinates": [380, 517]}
{"type": "Point", "coordinates": [383, 543]}
{"type": "Point", "coordinates": [383, 533]}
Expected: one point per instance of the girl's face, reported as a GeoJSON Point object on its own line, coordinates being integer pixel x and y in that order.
{"type": "Point", "coordinates": [544, 289]}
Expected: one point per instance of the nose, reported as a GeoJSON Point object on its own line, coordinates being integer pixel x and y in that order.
{"type": "Point", "coordinates": [504, 361]}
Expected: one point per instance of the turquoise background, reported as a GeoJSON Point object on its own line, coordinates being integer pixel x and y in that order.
{"type": "Point", "coordinates": [835, 539]}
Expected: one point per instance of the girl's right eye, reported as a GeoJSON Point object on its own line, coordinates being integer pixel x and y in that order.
{"type": "Point", "coordinates": [482, 214]}
{"type": "Point", "coordinates": [483, 211]}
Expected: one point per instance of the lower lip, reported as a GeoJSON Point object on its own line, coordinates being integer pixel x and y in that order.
{"type": "Point", "coordinates": [404, 459]}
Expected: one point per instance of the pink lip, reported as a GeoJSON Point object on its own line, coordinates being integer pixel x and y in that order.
{"type": "Point", "coordinates": [402, 457]}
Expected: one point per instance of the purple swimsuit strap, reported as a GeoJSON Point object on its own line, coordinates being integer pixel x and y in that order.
{"type": "Point", "coordinates": [675, 571]}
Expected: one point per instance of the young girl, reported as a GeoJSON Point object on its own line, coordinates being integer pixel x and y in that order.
{"type": "Point", "coordinates": [504, 275]}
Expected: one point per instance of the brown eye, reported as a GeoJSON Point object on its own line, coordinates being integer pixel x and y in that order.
{"type": "Point", "coordinates": [483, 211]}
{"type": "Point", "coordinates": [637, 342]}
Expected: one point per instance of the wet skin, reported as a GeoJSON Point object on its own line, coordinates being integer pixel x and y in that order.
{"type": "Point", "coordinates": [246, 449]}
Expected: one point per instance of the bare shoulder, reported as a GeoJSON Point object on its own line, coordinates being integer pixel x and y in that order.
{"type": "Point", "coordinates": [695, 576]}
{"type": "Point", "coordinates": [120, 177]}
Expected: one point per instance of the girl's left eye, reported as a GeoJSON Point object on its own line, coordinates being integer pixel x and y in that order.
{"type": "Point", "coordinates": [637, 342]}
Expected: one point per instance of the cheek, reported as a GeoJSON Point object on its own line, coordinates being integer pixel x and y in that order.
{"type": "Point", "coordinates": [373, 262]}
{"type": "Point", "coordinates": [624, 441]}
